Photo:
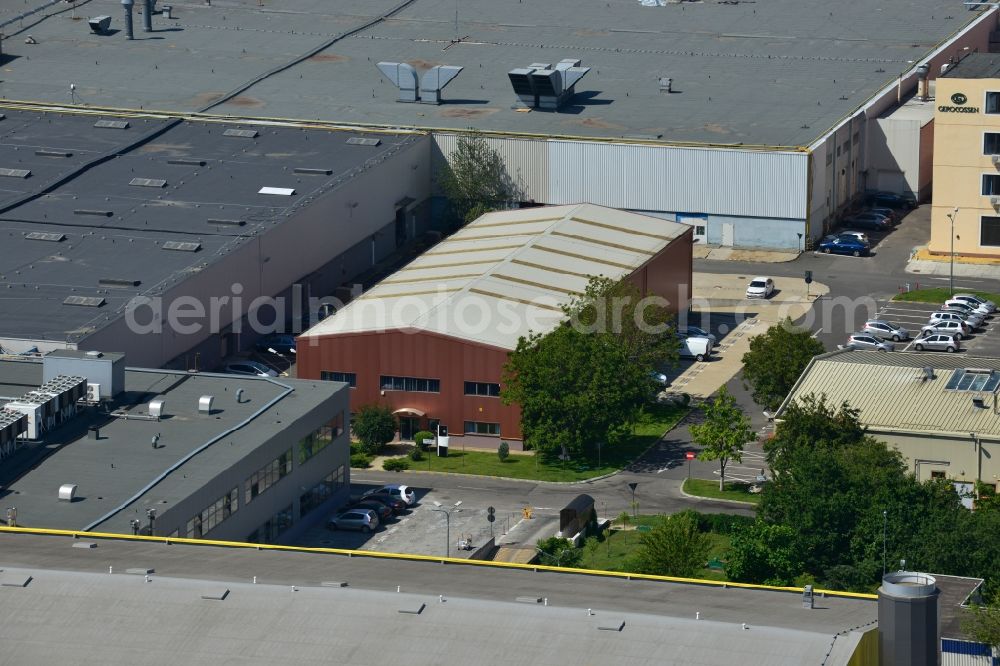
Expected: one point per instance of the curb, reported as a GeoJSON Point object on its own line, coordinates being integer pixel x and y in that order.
{"type": "Point", "coordinates": [712, 499]}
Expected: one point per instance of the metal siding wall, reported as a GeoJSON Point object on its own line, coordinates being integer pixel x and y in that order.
{"type": "Point", "coordinates": [717, 181]}
{"type": "Point", "coordinates": [527, 161]}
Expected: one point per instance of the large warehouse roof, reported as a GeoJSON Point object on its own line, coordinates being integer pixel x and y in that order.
{"type": "Point", "coordinates": [895, 391]}
{"type": "Point", "coordinates": [200, 607]}
{"type": "Point", "coordinates": [106, 214]}
{"type": "Point", "coordinates": [780, 72]}
{"type": "Point", "coordinates": [507, 274]}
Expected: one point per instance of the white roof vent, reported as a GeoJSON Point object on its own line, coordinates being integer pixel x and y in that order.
{"type": "Point", "coordinates": [156, 408]}
{"type": "Point", "coordinates": [205, 404]}
{"type": "Point", "coordinates": [280, 191]}
{"type": "Point", "coordinates": [67, 492]}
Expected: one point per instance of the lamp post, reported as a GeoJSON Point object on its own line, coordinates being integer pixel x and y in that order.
{"type": "Point", "coordinates": [951, 216]}
{"type": "Point", "coordinates": [885, 529]}
{"type": "Point", "coordinates": [447, 518]}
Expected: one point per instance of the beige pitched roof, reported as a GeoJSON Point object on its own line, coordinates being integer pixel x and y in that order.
{"type": "Point", "coordinates": [506, 273]}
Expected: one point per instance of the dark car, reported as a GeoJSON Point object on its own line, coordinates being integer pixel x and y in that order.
{"type": "Point", "coordinates": [890, 200]}
{"type": "Point", "coordinates": [383, 512]}
{"type": "Point", "coordinates": [397, 505]}
{"type": "Point", "coordinates": [845, 245]}
{"type": "Point", "coordinates": [280, 344]}
{"type": "Point", "coordinates": [871, 221]}
{"type": "Point", "coordinates": [890, 213]}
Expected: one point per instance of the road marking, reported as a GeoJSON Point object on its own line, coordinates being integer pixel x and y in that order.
{"type": "Point", "coordinates": [472, 488]}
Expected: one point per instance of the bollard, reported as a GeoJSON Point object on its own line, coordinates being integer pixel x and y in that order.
{"type": "Point", "coordinates": [255, 580]}
{"type": "Point", "coordinates": [697, 615]}
{"type": "Point", "coordinates": [111, 569]}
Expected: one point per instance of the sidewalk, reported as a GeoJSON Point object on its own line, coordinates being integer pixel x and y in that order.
{"type": "Point", "coordinates": [758, 255]}
{"type": "Point", "coordinates": [923, 262]}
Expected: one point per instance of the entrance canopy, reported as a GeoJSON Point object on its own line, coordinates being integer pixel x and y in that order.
{"type": "Point", "coordinates": [409, 411]}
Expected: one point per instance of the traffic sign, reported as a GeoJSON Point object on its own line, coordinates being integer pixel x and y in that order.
{"type": "Point", "coordinates": [491, 511]}
{"type": "Point", "coordinates": [490, 517]}
{"type": "Point", "coordinates": [689, 455]}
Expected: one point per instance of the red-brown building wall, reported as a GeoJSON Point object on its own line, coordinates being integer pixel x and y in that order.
{"type": "Point", "coordinates": [454, 361]}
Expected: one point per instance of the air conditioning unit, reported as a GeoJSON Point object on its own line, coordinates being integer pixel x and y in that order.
{"type": "Point", "coordinates": [995, 201]}
{"type": "Point", "coordinates": [93, 392]}
{"type": "Point", "coordinates": [996, 159]}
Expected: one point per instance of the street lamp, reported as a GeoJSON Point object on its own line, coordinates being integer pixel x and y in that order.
{"type": "Point", "coordinates": [447, 517]}
{"type": "Point", "coordinates": [885, 529]}
{"type": "Point", "coordinates": [951, 216]}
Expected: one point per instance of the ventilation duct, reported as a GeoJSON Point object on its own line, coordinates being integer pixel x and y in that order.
{"type": "Point", "coordinates": [404, 77]}
{"type": "Point", "coordinates": [541, 86]}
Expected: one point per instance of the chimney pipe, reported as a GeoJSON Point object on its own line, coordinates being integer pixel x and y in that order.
{"type": "Point", "coordinates": [147, 17]}
{"type": "Point", "coordinates": [127, 5]}
{"type": "Point", "coordinates": [922, 87]}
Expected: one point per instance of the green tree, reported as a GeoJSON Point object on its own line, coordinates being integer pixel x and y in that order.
{"type": "Point", "coordinates": [503, 451]}
{"type": "Point", "coordinates": [475, 180]}
{"type": "Point", "coordinates": [983, 624]}
{"type": "Point", "coordinates": [674, 547]}
{"type": "Point", "coordinates": [764, 553]}
{"type": "Point", "coordinates": [559, 552]}
{"type": "Point", "coordinates": [585, 381]}
{"type": "Point", "coordinates": [723, 433]}
{"type": "Point", "coordinates": [374, 426]}
{"type": "Point", "coordinates": [775, 361]}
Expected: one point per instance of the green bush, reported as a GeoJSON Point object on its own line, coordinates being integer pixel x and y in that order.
{"type": "Point", "coordinates": [360, 461]}
{"type": "Point", "coordinates": [416, 454]}
{"type": "Point", "coordinates": [396, 465]}
{"type": "Point", "coordinates": [723, 523]}
{"type": "Point", "coordinates": [423, 439]}
{"type": "Point", "coordinates": [503, 451]}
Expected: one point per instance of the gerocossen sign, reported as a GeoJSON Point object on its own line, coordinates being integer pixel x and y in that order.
{"type": "Point", "coordinates": [959, 100]}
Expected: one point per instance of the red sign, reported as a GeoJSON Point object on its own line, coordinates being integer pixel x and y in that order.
{"type": "Point", "coordinates": [689, 455]}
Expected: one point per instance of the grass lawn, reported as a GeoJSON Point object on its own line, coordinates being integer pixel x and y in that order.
{"type": "Point", "coordinates": [658, 420]}
{"type": "Point", "coordinates": [612, 553]}
{"type": "Point", "coordinates": [734, 491]}
{"type": "Point", "coordinates": [940, 295]}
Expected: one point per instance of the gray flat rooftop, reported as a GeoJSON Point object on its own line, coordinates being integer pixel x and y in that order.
{"type": "Point", "coordinates": [96, 225]}
{"type": "Point", "coordinates": [976, 66]}
{"type": "Point", "coordinates": [113, 618]}
{"type": "Point", "coordinates": [772, 73]}
{"type": "Point", "coordinates": [110, 471]}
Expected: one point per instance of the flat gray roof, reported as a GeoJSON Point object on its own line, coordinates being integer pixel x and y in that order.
{"type": "Point", "coordinates": [776, 73]}
{"type": "Point", "coordinates": [111, 229]}
{"type": "Point", "coordinates": [976, 66]}
{"type": "Point", "coordinates": [111, 470]}
{"type": "Point", "coordinates": [111, 617]}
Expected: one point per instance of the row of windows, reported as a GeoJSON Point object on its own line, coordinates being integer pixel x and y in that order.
{"type": "Point", "coordinates": [267, 476]}
{"type": "Point", "coordinates": [482, 388]}
{"type": "Point", "coordinates": [214, 514]}
{"type": "Point", "coordinates": [419, 384]}
{"type": "Point", "coordinates": [321, 492]}
{"type": "Point", "coordinates": [318, 440]}
{"type": "Point", "coordinates": [275, 526]}
{"type": "Point", "coordinates": [481, 428]}
{"type": "Point", "coordinates": [989, 233]}
{"type": "Point", "coordinates": [349, 378]}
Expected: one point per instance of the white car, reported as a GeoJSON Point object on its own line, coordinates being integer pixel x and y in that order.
{"type": "Point", "coordinates": [404, 493]}
{"type": "Point", "coordinates": [760, 287]}
{"type": "Point", "coordinates": [978, 308]}
{"type": "Point", "coordinates": [972, 321]}
{"type": "Point", "coordinates": [250, 368]}
{"type": "Point", "coordinates": [865, 341]}
{"type": "Point", "coordinates": [973, 299]}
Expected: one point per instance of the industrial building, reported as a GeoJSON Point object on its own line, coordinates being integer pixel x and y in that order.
{"type": "Point", "coordinates": [431, 340]}
{"type": "Point", "coordinates": [127, 450]}
{"type": "Point", "coordinates": [160, 237]}
{"type": "Point", "coordinates": [757, 124]}
{"type": "Point", "coordinates": [965, 218]}
{"type": "Point", "coordinates": [939, 411]}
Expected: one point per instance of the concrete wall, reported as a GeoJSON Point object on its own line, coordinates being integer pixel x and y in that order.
{"type": "Point", "coordinates": [960, 458]}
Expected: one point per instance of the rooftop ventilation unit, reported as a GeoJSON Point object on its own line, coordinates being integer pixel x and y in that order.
{"type": "Point", "coordinates": [363, 141]}
{"type": "Point", "coordinates": [15, 173]}
{"type": "Point", "coordinates": [85, 301]}
{"type": "Point", "coordinates": [280, 191]}
{"type": "Point", "coordinates": [112, 124]}
{"type": "Point", "coordinates": [228, 223]}
{"type": "Point", "coordinates": [182, 246]}
{"type": "Point", "coordinates": [313, 172]}
{"type": "Point", "coordinates": [67, 492]}
{"type": "Point", "coordinates": [187, 162]}
{"type": "Point", "coordinates": [148, 182]}
{"type": "Point", "coordinates": [53, 153]}
{"type": "Point", "coordinates": [205, 404]}
{"type": "Point", "coordinates": [241, 133]}
{"type": "Point", "coordinates": [90, 211]}
{"type": "Point", "coordinates": [541, 86]}
{"type": "Point", "coordinates": [12, 426]}
{"type": "Point", "coordinates": [156, 408]}
{"type": "Point", "coordinates": [404, 76]}
{"type": "Point", "coordinates": [118, 282]}
{"type": "Point", "coordinates": [99, 24]}
{"type": "Point", "coordinates": [43, 236]}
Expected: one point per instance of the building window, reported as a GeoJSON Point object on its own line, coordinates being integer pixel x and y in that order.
{"type": "Point", "coordinates": [267, 476]}
{"type": "Point", "coordinates": [275, 526]}
{"type": "Point", "coordinates": [991, 143]}
{"type": "Point", "coordinates": [482, 388]}
{"type": "Point", "coordinates": [319, 439]}
{"type": "Point", "coordinates": [321, 492]}
{"type": "Point", "coordinates": [349, 378]}
{"type": "Point", "coordinates": [699, 230]}
{"type": "Point", "coordinates": [989, 233]}
{"type": "Point", "coordinates": [991, 184]}
{"type": "Point", "coordinates": [480, 428]}
{"type": "Point", "coordinates": [937, 474]}
{"type": "Point", "coordinates": [212, 515]}
{"type": "Point", "coordinates": [856, 138]}
{"type": "Point", "coordinates": [829, 159]}
{"type": "Point", "coordinates": [418, 384]}
{"type": "Point", "coordinates": [992, 102]}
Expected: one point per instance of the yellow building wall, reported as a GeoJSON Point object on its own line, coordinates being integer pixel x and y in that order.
{"type": "Point", "coordinates": [962, 455]}
{"type": "Point", "coordinates": [866, 653]}
{"type": "Point", "coordinates": [959, 164]}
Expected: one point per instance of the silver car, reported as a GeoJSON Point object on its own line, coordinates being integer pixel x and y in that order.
{"type": "Point", "coordinates": [971, 321]}
{"type": "Point", "coordinates": [973, 300]}
{"type": "Point", "coordinates": [978, 308]}
{"type": "Point", "coordinates": [869, 342]}
{"type": "Point", "coordinates": [885, 330]}
{"type": "Point", "coordinates": [937, 342]}
{"type": "Point", "coordinates": [695, 332]}
{"type": "Point", "coordinates": [363, 520]}
{"type": "Point", "coordinates": [955, 328]}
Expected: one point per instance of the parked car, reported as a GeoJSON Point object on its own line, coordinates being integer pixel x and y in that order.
{"type": "Point", "coordinates": [860, 235]}
{"type": "Point", "coordinates": [868, 342]}
{"type": "Point", "coordinates": [363, 520]}
{"type": "Point", "coordinates": [961, 305]}
{"type": "Point", "coordinates": [694, 331]}
{"type": "Point", "coordinates": [760, 287]}
{"type": "Point", "coordinates": [252, 368]}
{"type": "Point", "coordinates": [892, 215]}
{"type": "Point", "coordinates": [383, 512]}
{"type": "Point", "coordinates": [955, 328]}
{"type": "Point", "coordinates": [844, 244]}
{"type": "Point", "coordinates": [868, 221]}
{"type": "Point", "coordinates": [397, 505]}
{"type": "Point", "coordinates": [891, 200]}
{"type": "Point", "coordinates": [885, 330]}
{"type": "Point", "coordinates": [937, 342]}
{"type": "Point", "coordinates": [281, 344]}
{"type": "Point", "coordinates": [972, 299]}
{"type": "Point", "coordinates": [967, 313]}
{"type": "Point", "coordinates": [972, 322]}
{"type": "Point", "coordinates": [404, 493]}
{"type": "Point", "coordinates": [697, 348]}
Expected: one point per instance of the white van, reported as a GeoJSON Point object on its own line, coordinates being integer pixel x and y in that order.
{"type": "Point", "coordinates": [696, 347]}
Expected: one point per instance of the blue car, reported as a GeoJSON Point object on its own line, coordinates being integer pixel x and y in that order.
{"type": "Point", "coordinates": [845, 245]}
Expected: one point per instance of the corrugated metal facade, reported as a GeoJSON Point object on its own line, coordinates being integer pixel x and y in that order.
{"type": "Point", "coordinates": [527, 162]}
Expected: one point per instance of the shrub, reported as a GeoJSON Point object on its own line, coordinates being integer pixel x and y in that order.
{"type": "Point", "coordinates": [374, 426]}
{"type": "Point", "coordinates": [723, 523]}
{"type": "Point", "coordinates": [416, 454]}
{"type": "Point", "coordinates": [503, 451]}
{"type": "Point", "coordinates": [423, 439]}
{"type": "Point", "coordinates": [360, 461]}
{"type": "Point", "coordinates": [396, 465]}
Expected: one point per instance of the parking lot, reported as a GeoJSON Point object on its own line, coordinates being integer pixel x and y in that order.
{"type": "Point", "coordinates": [912, 316]}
